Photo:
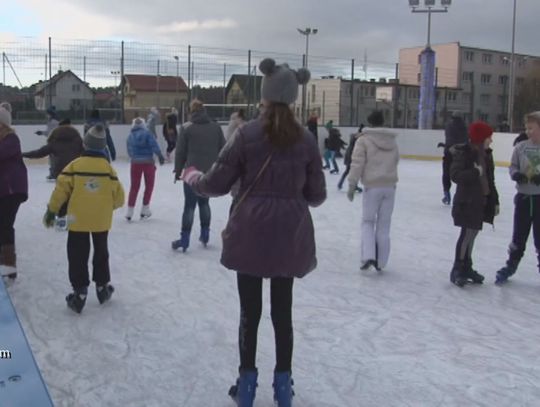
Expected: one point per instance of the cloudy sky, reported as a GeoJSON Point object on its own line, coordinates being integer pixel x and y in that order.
{"type": "Point", "coordinates": [346, 27]}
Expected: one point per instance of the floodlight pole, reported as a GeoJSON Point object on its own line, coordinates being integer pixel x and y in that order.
{"type": "Point", "coordinates": [307, 32]}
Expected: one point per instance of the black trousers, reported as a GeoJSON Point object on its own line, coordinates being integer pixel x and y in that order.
{"type": "Point", "coordinates": [250, 292]}
{"type": "Point", "coordinates": [9, 206]}
{"type": "Point", "coordinates": [446, 163]}
{"type": "Point", "coordinates": [465, 244]}
{"type": "Point", "coordinates": [78, 249]}
{"type": "Point", "coordinates": [526, 215]}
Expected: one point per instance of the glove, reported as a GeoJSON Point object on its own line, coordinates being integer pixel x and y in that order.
{"type": "Point", "coordinates": [351, 192]}
{"type": "Point", "coordinates": [191, 175]}
{"type": "Point", "coordinates": [520, 178]}
{"type": "Point", "coordinates": [535, 179]}
{"type": "Point", "coordinates": [48, 218]}
{"type": "Point", "coordinates": [479, 168]}
{"type": "Point", "coordinates": [161, 160]}
{"type": "Point", "coordinates": [497, 210]}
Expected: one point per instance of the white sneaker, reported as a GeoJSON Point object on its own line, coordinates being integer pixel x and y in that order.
{"type": "Point", "coordinates": [129, 213]}
{"type": "Point", "coordinates": [145, 212]}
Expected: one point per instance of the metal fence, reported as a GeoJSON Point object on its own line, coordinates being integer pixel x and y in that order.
{"type": "Point", "coordinates": [102, 64]}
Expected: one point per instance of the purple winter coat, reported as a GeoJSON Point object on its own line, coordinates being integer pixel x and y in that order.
{"type": "Point", "coordinates": [13, 175]}
{"type": "Point", "coordinates": [271, 234]}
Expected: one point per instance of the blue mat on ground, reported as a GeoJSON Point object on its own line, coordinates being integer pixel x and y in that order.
{"type": "Point", "coordinates": [21, 383]}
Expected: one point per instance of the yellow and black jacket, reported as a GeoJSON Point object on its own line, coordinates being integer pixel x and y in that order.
{"type": "Point", "coordinates": [93, 191]}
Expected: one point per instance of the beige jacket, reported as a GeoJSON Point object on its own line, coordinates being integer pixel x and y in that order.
{"type": "Point", "coordinates": [375, 158]}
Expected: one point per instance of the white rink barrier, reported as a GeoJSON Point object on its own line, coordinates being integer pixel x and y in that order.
{"type": "Point", "coordinates": [413, 144]}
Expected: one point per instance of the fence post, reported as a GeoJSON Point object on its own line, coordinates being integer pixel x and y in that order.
{"type": "Point", "coordinates": [50, 73]}
{"type": "Point", "coordinates": [122, 93]}
{"type": "Point", "coordinates": [248, 91]}
{"type": "Point", "coordinates": [189, 73]}
{"type": "Point", "coordinates": [352, 93]}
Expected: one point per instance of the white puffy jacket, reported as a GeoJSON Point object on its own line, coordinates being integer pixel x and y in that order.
{"type": "Point", "coordinates": [375, 158]}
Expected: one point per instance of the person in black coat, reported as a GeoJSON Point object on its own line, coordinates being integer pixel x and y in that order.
{"type": "Point", "coordinates": [334, 145]}
{"type": "Point", "coordinates": [348, 155]}
{"type": "Point", "coordinates": [170, 132]}
{"type": "Point", "coordinates": [476, 200]}
{"type": "Point", "coordinates": [454, 133]}
{"type": "Point", "coordinates": [312, 126]}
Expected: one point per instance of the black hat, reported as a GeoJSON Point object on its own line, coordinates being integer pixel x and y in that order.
{"type": "Point", "coordinates": [376, 118]}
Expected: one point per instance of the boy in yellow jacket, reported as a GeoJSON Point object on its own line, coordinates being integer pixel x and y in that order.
{"type": "Point", "coordinates": [91, 187]}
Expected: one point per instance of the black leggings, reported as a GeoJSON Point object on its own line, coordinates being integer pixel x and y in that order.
{"type": "Point", "coordinates": [9, 206]}
{"type": "Point", "coordinates": [250, 292]}
{"type": "Point", "coordinates": [465, 244]}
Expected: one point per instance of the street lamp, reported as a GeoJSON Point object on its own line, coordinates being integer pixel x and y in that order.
{"type": "Point", "coordinates": [306, 32]}
{"type": "Point", "coordinates": [114, 73]}
{"type": "Point", "coordinates": [512, 79]}
{"type": "Point", "coordinates": [426, 107]}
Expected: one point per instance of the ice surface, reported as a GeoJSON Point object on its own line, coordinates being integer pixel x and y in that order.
{"type": "Point", "coordinates": [405, 337]}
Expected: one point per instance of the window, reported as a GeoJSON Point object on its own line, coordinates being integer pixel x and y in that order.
{"type": "Point", "coordinates": [469, 56]}
{"type": "Point", "coordinates": [522, 62]}
{"type": "Point", "coordinates": [505, 60]}
{"type": "Point", "coordinates": [372, 92]}
{"type": "Point", "coordinates": [76, 88]}
{"type": "Point", "coordinates": [313, 94]}
{"type": "Point", "coordinates": [487, 59]}
{"type": "Point", "coordinates": [485, 99]}
{"type": "Point", "coordinates": [419, 59]}
{"type": "Point", "coordinates": [484, 117]}
{"type": "Point", "coordinates": [501, 99]}
{"type": "Point", "coordinates": [466, 97]}
{"type": "Point", "coordinates": [520, 81]}
{"type": "Point", "coordinates": [419, 77]}
{"type": "Point", "coordinates": [467, 76]}
{"type": "Point", "coordinates": [451, 96]}
{"type": "Point", "coordinates": [503, 79]}
{"type": "Point", "coordinates": [485, 79]}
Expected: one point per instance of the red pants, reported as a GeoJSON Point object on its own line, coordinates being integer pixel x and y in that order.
{"type": "Point", "coordinates": [137, 171]}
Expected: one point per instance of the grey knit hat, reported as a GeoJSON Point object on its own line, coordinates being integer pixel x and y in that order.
{"type": "Point", "coordinates": [95, 138]}
{"type": "Point", "coordinates": [280, 83]}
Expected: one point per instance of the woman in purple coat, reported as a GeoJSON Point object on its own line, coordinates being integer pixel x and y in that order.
{"type": "Point", "coordinates": [13, 190]}
{"type": "Point", "coordinates": [270, 231]}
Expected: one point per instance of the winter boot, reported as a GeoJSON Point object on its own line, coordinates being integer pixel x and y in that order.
{"type": "Point", "coordinates": [243, 392]}
{"type": "Point", "coordinates": [8, 261]}
{"type": "Point", "coordinates": [183, 242]}
{"type": "Point", "coordinates": [145, 212]}
{"type": "Point", "coordinates": [458, 275]}
{"type": "Point", "coordinates": [77, 299]}
{"type": "Point", "coordinates": [104, 292]}
{"type": "Point", "coordinates": [504, 273]}
{"type": "Point", "coordinates": [205, 236]}
{"type": "Point", "coordinates": [447, 199]}
{"type": "Point", "coordinates": [129, 214]}
{"type": "Point", "coordinates": [283, 392]}
{"type": "Point", "coordinates": [368, 264]}
{"type": "Point", "coordinates": [472, 274]}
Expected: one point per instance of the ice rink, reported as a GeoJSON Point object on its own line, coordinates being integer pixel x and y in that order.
{"type": "Point", "coordinates": [403, 337]}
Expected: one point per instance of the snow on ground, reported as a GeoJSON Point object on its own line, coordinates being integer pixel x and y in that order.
{"type": "Point", "coordinates": [405, 337]}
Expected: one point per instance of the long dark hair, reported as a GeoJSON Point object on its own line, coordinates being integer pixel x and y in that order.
{"type": "Point", "coordinates": [280, 125]}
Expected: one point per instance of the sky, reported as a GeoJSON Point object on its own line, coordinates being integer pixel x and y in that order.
{"type": "Point", "coordinates": [346, 28]}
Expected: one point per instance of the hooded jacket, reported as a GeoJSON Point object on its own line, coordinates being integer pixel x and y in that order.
{"type": "Point", "coordinates": [13, 174]}
{"type": "Point", "coordinates": [375, 158]}
{"type": "Point", "coordinates": [142, 145]}
{"type": "Point", "coordinates": [199, 143]}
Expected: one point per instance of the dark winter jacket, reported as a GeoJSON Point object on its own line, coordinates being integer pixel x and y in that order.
{"type": "Point", "coordinates": [313, 126]}
{"type": "Point", "coordinates": [348, 153]}
{"type": "Point", "coordinates": [111, 150]}
{"type": "Point", "coordinates": [199, 143]}
{"type": "Point", "coordinates": [335, 143]}
{"type": "Point", "coordinates": [271, 234]}
{"type": "Point", "coordinates": [455, 132]}
{"type": "Point", "coordinates": [13, 174]}
{"type": "Point", "coordinates": [64, 143]}
{"type": "Point", "coordinates": [170, 132]}
{"type": "Point", "coordinates": [470, 207]}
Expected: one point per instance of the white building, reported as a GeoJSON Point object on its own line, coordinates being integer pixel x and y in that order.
{"type": "Point", "coordinates": [66, 91]}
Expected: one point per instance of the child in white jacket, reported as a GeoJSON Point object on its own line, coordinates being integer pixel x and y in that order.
{"type": "Point", "coordinates": [374, 162]}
